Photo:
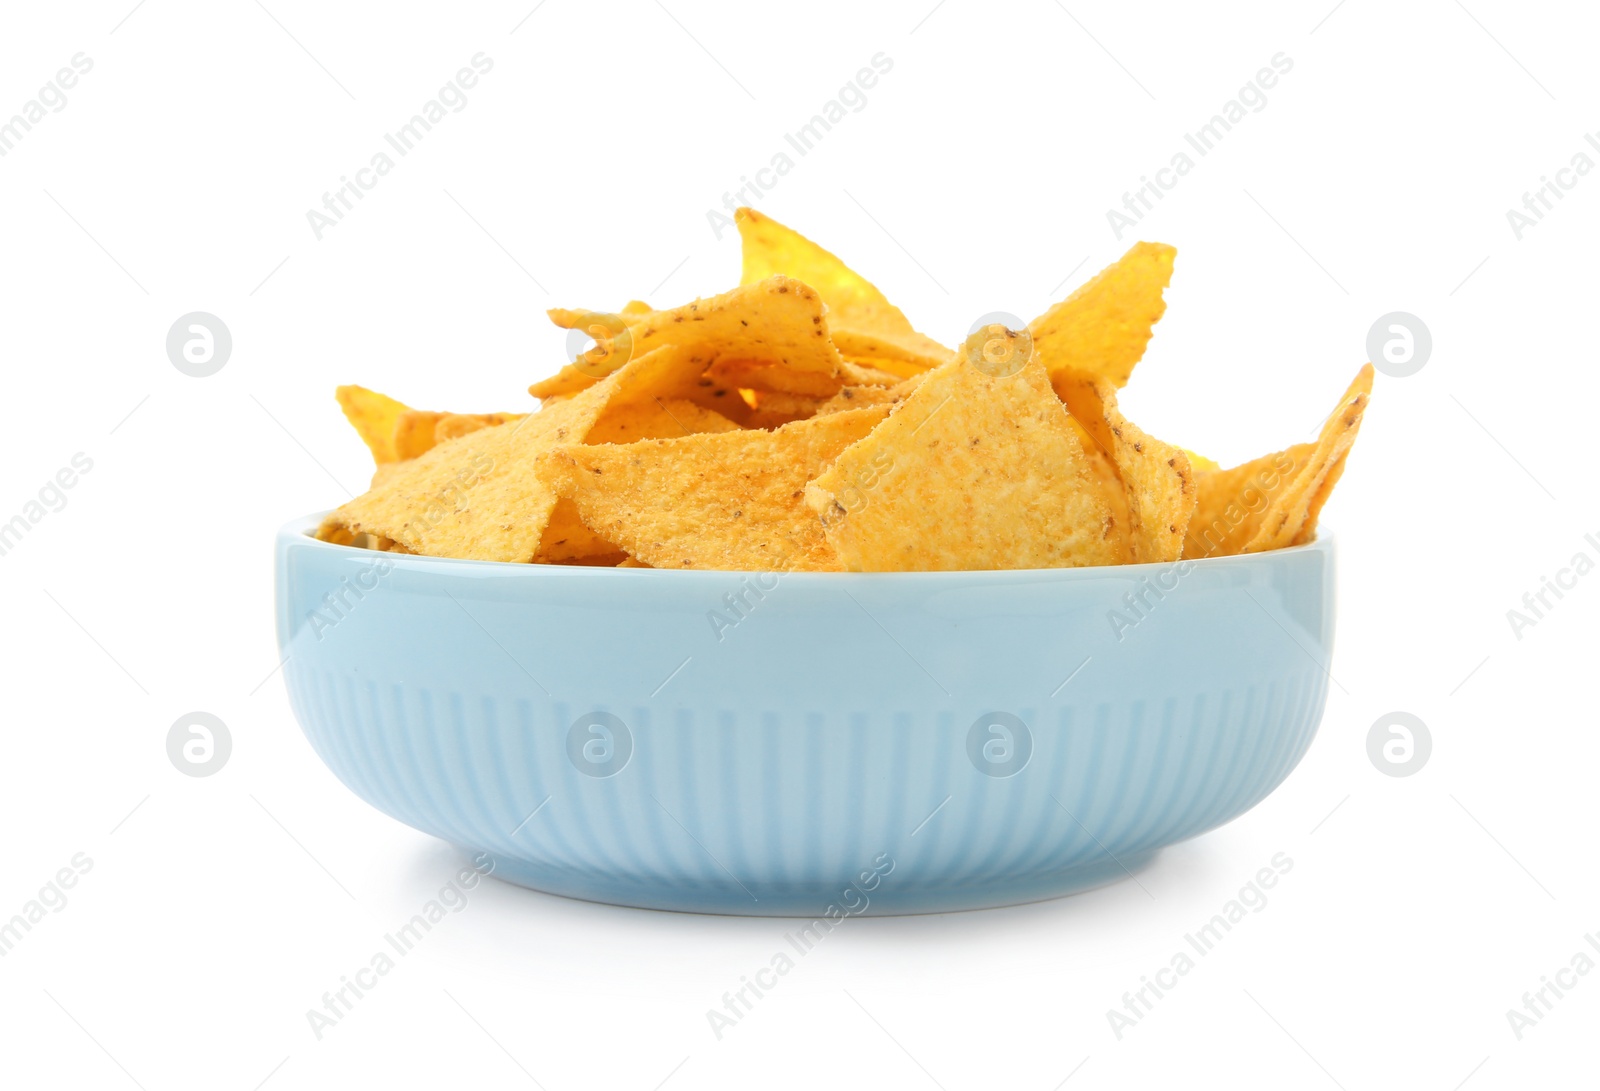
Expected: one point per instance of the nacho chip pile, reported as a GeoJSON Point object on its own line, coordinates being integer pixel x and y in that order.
{"type": "Point", "coordinates": [801, 423]}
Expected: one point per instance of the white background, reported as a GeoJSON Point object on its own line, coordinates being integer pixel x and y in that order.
{"type": "Point", "coordinates": [977, 178]}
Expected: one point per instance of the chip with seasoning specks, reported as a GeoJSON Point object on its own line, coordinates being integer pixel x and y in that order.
{"type": "Point", "coordinates": [800, 422]}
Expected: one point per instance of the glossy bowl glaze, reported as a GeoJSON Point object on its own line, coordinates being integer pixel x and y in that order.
{"type": "Point", "coordinates": [809, 744]}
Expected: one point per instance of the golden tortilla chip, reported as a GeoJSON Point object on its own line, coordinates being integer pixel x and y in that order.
{"type": "Point", "coordinates": [901, 354]}
{"type": "Point", "coordinates": [1108, 486]}
{"type": "Point", "coordinates": [776, 321]}
{"type": "Point", "coordinates": [1274, 501]}
{"type": "Point", "coordinates": [565, 538]}
{"type": "Point", "coordinates": [454, 425]}
{"type": "Point", "coordinates": [476, 497]}
{"type": "Point", "coordinates": [1291, 517]}
{"type": "Point", "coordinates": [1231, 503]}
{"type": "Point", "coordinates": [854, 397]}
{"type": "Point", "coordinates": [1101, 329]}
{"type": "Point", "coordinates": [672, 373]}
{"type": "Point", "coordinates": [601, 560]}
{"type": "Point", "coordinates": [419, 430]}
{"type": "Point", "coordinates": [970, 472]}
{"type": "Point", "coordinates": [374, 416]}
{"type": "Point", "coordinates": [750, 375]}
{"type": "Point", "coordinates": [727, 501]}
{"type": "Point", "coordinates": [656, 419]}
{"type": "Point", "coordinates": [564, 383]}
{"type": "Point", "coordinates": [773, 410]}
{"type": "Point", "coordinates": [413, 432]}
{"type": "Point", "coordinates": [862, 320]}
{"type": "Point", "coordinates": [864, 374]}
{"type": "Point", "coordinates": [1156, 476]}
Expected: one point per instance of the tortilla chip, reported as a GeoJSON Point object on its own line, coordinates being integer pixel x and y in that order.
{"type": "Point", "coordinates": [420, 430]}
{"type": "Point", "coordinates": [855, 397]}
{"type": "Point", "coordinates": [374, 416]}
{"type": "Point", "coordinates": [1274, 500]}
{"type": "Point", "coordinates": [726, 501]}
{"type": "Point", "coordinates": [656, 419]}
{"type": "Point", "coordinates": [601, 560]}
{"type": "Point", "coordinates": [454, 425]}
{"type": "Point", "coordinates": [1231, 503]}
{"type": "Point", "coordinates": [413, 432]}
{"type": "Point", "coordinates": [749, 375]}
{"type": "Point", "coordinates": [1155, 476]}
{"type": "Point", "coordinates": [971, 472]}
{"type": "Point", "coordinates": [1108, 486]}
{"type": "Point", "coordinates": [632, 562]}
{"type": "Point", "coordinates": [1291, 516]}
{"type": "Point", "coordinates": [1101, 329]}
{"type": "Point", "coordinates": [864, 374]}
{"type": "Point", "coordinates": [476, 497]}
{"type": "Point", "coordinates": [777, 321]}
{"type": "Point", "coordinates": [863, 321]}
{"type": "Point", "coordinates": [565, 538]}
{"type": "Point", "coordinates": [900, 354]}
{"type": "Point", "coordinates": [564, 383]}
{"type": "Point", "coordinates": [778, 409]}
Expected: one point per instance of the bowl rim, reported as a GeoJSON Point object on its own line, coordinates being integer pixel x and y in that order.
{"type": "Point", "coordinates": [299, 533]}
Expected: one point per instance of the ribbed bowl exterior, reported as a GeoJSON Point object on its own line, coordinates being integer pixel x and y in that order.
{"type": "Point", "coordinates": [808, 745]}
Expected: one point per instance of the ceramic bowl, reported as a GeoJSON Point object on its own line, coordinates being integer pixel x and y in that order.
{"type": "Point", "coordinates": [808, 744]}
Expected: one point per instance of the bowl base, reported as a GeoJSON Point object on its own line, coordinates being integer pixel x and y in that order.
{"type": "Point", "coordinates": [896, 894]}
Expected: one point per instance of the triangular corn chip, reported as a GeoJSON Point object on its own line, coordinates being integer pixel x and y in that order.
{"type": "Point", "coordinates": [1291, 517]}
{"type": "Point", "coordinates": [1273, 501]}
{"type": "Point", "coordinates": [374, 416]}
{"type": "Point", "coordinates": [1108, 486]}
{"type": "Point", "coordinates": [657, 418]}
{"type": "Point", "coordinates": [749, 375]}
{"type": "Point", "coordinates": [420, 430]}
{"type": "Point", "coordinates": [1102, 329]}
{"type": "Point", "coordinates": [476, 497]}
{"type": "Point", "coordinates": [728, 501]}
{"type": "Point", "coordinates": [903, 355]}
{"type": "Point", "coordinates": [773, 409]}
{"type": "Point", "coordinates": [413, 432]}
{"type": "Point", "coordinates": [565, 537]}
{"type": "Point", "coordinates": [863, 322]}
{"type": "Point", "coordinates": [855, 397]}
{"type": "Point", "coordinates": [1230, 503]}
{"type": "Point", "coordinates": [970, 472]}
{"type": "Point", "coordinates": [776, 321]}
{"type": "Point", "coordinates": [860, 374]}
{"type": "Point", "coordinates": [1155, 476]}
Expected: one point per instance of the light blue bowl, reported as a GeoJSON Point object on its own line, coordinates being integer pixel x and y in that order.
{"type": "Point", "coordinates": [818, 744]}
